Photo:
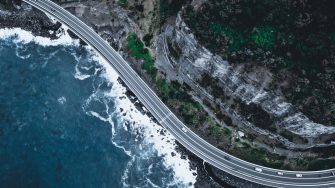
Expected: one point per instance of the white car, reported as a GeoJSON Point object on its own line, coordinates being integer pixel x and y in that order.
{"type": "Point", "coordinates": [184, 129]}
{"type": "Point", "coordinates": [280, 173]}
{"type": "Point", "coordinates": [298, 175]}
{"type": "Point", "coordinates": [258, 169]}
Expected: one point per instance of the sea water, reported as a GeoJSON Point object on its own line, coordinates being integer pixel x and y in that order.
{"type": "Point", "coordinates": [65, 121]}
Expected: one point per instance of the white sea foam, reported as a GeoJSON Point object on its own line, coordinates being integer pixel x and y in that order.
{"type": "Point", "coordinates": [124, 107]}
{"type": "Point", "coordinates": [21, 36]}
{"type": "Point", "coordinates": [61, 100]}
{"type": "Point", "coordinates": [152, 131]}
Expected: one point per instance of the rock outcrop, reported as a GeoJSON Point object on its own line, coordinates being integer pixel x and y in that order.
{"type": "Point", "coordinates": [192, 60]}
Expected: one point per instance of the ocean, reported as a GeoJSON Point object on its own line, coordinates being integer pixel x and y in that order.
{"type": "Point", "coordinates": [66, 121]}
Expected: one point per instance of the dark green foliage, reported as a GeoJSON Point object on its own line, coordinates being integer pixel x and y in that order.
{"type": "Point", "coordinates": [176, 94]}
{"type": "Point", "coordinates": [226, 119]}
{"type": "Point", "coordinates": [169, 8]}
{"type": "Point", "coordinates": [256, 115]}
{"type": "Point", "coordinates": [227, 132]}
{"type": "Point", "coordinates": [293, 137]}
{"type": "Point", "coordinates": [321, 164]}
{"type": "Point", "coordinates": [175, 51]}
{"type": "Point", "coordinates": [123, 3]}
{"type": "Point", "coordinates": [173, 93]}
{"type": "Point", "coordinates": [147, 39]}
{"type": "Point", "coordinates": [235, 39]}
{"type": "Point", "coordinates": [216, 130]}
{"type": "Point", "coordinates": [259, 157]}
{"type": "Point", "coordinates": [212, 84]}
{"type": "Point", "coordinates": [139, 8]}
{"type": "Point", "coordinates": [7, 4]}
{"type": "Point", "coordinates": [264, 37]}
{"type": "Point", "coordinates": [136, 48]}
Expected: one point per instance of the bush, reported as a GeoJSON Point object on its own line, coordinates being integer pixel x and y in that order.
{"type": "Point", "coordinates": [136, 48]}
{"type": "Point", "coordinates": [123, 3]}
{"type": "Point", "coordinates": [264, 37]}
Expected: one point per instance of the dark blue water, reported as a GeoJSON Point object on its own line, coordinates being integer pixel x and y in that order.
{"type": "Point", "coordinates": [50, 135]}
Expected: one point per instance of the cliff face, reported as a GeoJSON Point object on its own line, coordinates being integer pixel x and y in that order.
{"type": "Point", "coordinates": [184, 59]}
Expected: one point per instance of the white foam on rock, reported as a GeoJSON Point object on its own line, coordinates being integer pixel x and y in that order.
{"type": "Point", "coordinates": [21, 36]}
{"type": "Point", "coordinates": [184, 176]}
{"type": "Point", "coordinates": [164, 147]}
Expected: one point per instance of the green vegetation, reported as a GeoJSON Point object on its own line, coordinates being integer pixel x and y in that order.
{"type": "Point", "coordinates": [216, 130]}
{"type": "Point", "coordinates": [123, 3]}
{"type": "Point", "coordinates": [219, 131]}
{"type": "Point", "coordinates": [169, 8]}
{"type": "Point", "coordinates": [136, 48]}
{"type": "Point", "coordinates": [197, 105]}
{"type": "Point", "coordinates": [147, 39]}
{"type": "Point", "coordinates": [293, 137]}
{"type": "Point", "coordinates": [6, 4]}
{"type": "Point", "coordinates": [321, 164]}
{"type": "Point", "coordinates": [258, 156]}
{"type": "Point", "coordinates": [175, 51]}
{"type": "Point", "coordinates": [332, 38]}
{"type": "Point", "coordinates": [235, 38]}
{"type": "Point", "coordinates": [173, 93]}
{"type": "Point", "coordinates": [264, 37]}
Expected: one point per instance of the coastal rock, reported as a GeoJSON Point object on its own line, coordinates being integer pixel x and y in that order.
{"type": "Point", "coordinates": [29, 19]}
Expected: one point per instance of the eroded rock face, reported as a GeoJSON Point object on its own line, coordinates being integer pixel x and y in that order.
{"type": "Point", "coordinates": [107, 18]}
{"type": "Point", "coordinates": [193, 60]}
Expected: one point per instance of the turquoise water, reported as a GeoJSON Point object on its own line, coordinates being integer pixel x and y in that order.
{"type": "Point", "coordinates": [59, 129]}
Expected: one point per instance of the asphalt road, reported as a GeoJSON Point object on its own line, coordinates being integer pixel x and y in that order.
{"type": "Point", "coordinates": [160, 111]}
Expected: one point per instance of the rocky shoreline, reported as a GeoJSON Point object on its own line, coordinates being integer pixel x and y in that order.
{"type": "Point", "coordinates": [30, 20]}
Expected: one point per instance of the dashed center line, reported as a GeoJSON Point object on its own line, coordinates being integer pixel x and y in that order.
{"type": "Point", "coordinates": [167, 116]}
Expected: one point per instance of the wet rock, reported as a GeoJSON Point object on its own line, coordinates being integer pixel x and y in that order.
{"type": "Point", "coordinates": [73, 35]}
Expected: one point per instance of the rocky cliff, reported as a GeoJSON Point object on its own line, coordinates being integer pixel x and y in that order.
{"type": "Point", "coordinates": [183, 58]}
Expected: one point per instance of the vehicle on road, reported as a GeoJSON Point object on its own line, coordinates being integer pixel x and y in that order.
{"type": "Point", "coordinates": [333, 173]}
{"type": "Point", "coordinates": [258, 169]}
{"type": "Point", "coordinates": [280, 173]}
{"type": "Point", "coordinates": [184, 129]}
{"type": "Point", "coordinates": [298, 175]}
{"type": "Point", "coordinates": [227, 158]}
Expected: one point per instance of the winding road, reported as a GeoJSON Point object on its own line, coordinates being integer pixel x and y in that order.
{"type": "Point", "coordinates": [201, 148]}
